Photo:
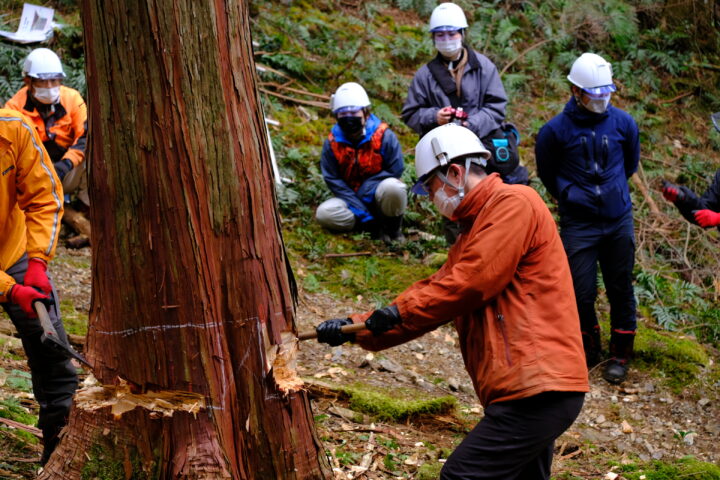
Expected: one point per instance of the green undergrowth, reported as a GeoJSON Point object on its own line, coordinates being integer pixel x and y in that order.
{"type": "Point", "coordinates": [75, 322]}
{"type": "Point", "coordinates": [11, 409]}
{"type": "Point", "coordinates": [429, 471]}
{"type": "Point", "coordinates": [685, 468]}
{"type": "Point", "coordinates": [678, 359]}
{"type": "Point", "coordinates": [378, 276]}
{"type": "Point", "coordinates": [17, 380]}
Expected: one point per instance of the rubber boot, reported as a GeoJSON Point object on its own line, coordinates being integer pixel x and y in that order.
{"type": "Point", "coordinates": [392, 230]}
{"type": "Point", "coordinates": [592, 345]}
{"type": "Point", "coordinates": [621, 351]}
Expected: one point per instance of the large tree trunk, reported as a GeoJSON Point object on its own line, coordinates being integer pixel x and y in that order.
{"type": "Point", "coordinates": [191, 325]}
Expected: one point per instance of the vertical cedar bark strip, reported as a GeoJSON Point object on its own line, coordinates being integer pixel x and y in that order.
{"type": "Point", "coordinates": [191, 290]}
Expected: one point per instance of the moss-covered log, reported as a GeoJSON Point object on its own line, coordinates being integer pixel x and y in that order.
{"type": "Point", "coordinates": [191, 289]}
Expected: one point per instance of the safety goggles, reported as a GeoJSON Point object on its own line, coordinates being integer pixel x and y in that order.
{"type": "Point", "coordinates": [442, 34]}
{"type": "Point", "coordinates": [422, 186]}
{"type": "Point", "coordinates": [49, 76]}
{"type": "Point", "coordinates": [348, 111]}
{"type": "Point", "coordinates": [599, 92]}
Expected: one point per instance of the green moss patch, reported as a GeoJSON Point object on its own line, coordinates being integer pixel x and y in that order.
{"type": "Point", "coordinates": [397, 405]}
{"type": "Point", "coordinates": [679, 359]}
{"type": "Point", "coordinates": [687, 467]}
{"type": "Point", "coordinates": [75, 322]}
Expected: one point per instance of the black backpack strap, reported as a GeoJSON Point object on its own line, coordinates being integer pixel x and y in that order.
{"type": "Point", "coordinates": [442, 76]}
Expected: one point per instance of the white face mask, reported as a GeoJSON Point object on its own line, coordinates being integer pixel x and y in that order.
{"type": "Point", "coordinates": [449, 48]}
{"type": "Point", "coordinates": [48, 96]}
{"type": "Point", "coordinates": [445, 204]}
{"type": "Point", "coordinates": [597, 105]}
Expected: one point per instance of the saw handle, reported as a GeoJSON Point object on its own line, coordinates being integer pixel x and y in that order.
{"type": "Point", "coordinates": [352, 328]}
{"type": "Point", "coordinates": [45, 322]}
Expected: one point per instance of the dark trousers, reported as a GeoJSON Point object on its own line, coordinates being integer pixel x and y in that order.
{"type": "Point", "coordinates": [54, 378]}
{"type": "Point", "coordinates": [612, 245]}
{"type": "Point", "coordinates": [515, 439]}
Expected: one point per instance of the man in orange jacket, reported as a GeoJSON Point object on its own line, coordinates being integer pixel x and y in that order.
{"type": "Point", "coordinates": [507, 287]}
{"type": "Point", "coordinates": [31, 208]}
{"type": "Point", "coordinates": [59, 115]}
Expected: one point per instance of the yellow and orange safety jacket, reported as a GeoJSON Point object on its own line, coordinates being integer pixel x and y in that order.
{"type": "Point", "coordinates": [64, 131]}
{"type": "Point", "coordinates": [31, 195]}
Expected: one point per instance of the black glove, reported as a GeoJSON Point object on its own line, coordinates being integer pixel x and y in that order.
{"type": "Point", "coordinates": [329, 332]}
{"type": "Point", "coordinates": [383, 320]}
{"type": "Point", "coordinates": [672, 192]}
{"type": "Point", "coordinates": [63, 167]}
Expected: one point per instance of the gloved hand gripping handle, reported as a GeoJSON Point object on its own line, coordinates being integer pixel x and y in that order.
{"type": "Point", "coordinates": [352, 328]}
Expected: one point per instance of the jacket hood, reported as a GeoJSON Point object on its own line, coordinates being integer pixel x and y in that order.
{"type": "Point", "coordinates": [583, 116]}
{"type": "Point", "coordinates": [475, 199]}
{"type": "Point", "coordinates": [371, 125]}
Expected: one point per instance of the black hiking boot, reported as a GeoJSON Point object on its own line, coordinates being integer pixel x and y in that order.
{"type": "Point", "coordinates": [392, 230]}
{"type": "Point", "coordinates": [621, 351]}
{"type": "Point", "coordinates": [615, 371]}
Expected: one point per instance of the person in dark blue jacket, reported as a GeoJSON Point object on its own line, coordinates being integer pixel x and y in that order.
{"type": "Point", "coordinates": [585, 157]}
{"type": "Point", "coordinates": [362, 163]}
{"type": "Point", "coordinates": [705, 210]}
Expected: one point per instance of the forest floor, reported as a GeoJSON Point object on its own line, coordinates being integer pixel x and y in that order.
{"type": "Point", "coordinates": [630, 425]}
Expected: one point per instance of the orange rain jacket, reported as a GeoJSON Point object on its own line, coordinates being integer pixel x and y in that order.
{"type": "Point", "coordinates": [507, 286]}
{"type": "Point", "coordinates": [30, 197]}
{"type": "Point", "coordinates": [64, 132]}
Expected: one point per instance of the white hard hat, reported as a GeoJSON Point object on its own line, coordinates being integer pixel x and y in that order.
{"type": "Point", "coordinates": [442, 145]}
{"type": "Point", "coordinates": [349, 96]}
{"type": "Point", "coordinates": [44, 64]}
{"type": "Point", "coordinates": [592, 73]}
{"type": "Point", "coordinates": [447, 16]}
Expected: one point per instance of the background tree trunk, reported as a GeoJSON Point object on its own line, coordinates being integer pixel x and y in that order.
{"type": "Point", "coordinates": [191, 323]}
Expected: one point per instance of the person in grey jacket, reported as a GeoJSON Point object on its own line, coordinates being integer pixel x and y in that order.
{"type": "Point", "coordinates": [458, 77]}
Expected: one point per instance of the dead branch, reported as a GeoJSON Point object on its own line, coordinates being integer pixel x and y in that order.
{"type": "Point", "coordinates": [641, 185]}
{"type": "Point", "coordinates": [294, 90]}
{"type": "Point", "coordinates": [525, 52]}
{"type": "Point", "coordinates": [77, 221]}
{"type": "Point", "coordinates": [21, 426]}
{"type": "Point", "coordinates": [311, 103]}
{"type": "Point", "coordinates": [350, 254]}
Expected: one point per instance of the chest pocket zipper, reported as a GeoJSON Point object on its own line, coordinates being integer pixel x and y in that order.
{"type": "Point", "coordinates": [506, 343]}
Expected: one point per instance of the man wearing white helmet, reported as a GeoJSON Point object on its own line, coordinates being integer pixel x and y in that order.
{"type": "Point", "coordinates": [585, 157]}
{"type": "Point", "coordinates": [361, 163]}
{"type": "Point", "coordinates": [59, 115]}
{"type": "Point", "coordinates": [507, 288]}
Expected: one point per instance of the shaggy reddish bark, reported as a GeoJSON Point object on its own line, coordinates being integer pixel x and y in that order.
{"type": "Point", "coordinates": [191, 322]}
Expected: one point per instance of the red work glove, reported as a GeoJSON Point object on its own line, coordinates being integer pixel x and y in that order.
{"type": "Point", "coordinates": [707, 218]}
{"type": "Point", "coordinates": [36, 275]}
{"type": "Point", "coordinates": [24, 297]}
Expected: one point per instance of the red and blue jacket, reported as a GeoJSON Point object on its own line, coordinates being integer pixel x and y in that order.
{"type": "Point", "coordinates": [352, 172]}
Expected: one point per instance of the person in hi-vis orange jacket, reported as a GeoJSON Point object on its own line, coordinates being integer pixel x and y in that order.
{"type": "Point", "coordinates": [31, 208]}
{"type": "Point", "coordinates": [59, 115]}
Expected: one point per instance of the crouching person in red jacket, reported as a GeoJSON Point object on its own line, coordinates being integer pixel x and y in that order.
{"type": "Point", "coordinates": [507, 288]}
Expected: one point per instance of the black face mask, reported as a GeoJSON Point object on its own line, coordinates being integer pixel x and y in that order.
{"type": "Point", "coordinates": [351, 126]}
